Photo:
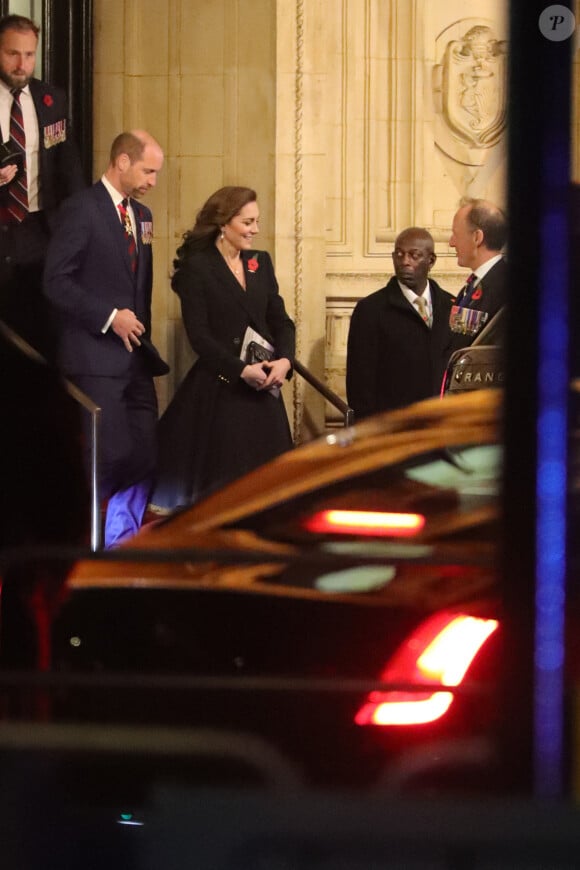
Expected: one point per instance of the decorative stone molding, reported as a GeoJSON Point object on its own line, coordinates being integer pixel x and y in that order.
{"type": "Point", "coordinates": [298, 384]}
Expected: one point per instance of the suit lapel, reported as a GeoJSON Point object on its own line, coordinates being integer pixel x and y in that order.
{"type": "Point", "coordinates": [143, 229]}
{"type": "Point", "coordinates": [138, 242]}
{"type": "Point", "coordinates": [495, 275]}
{"type": "Point", "coordinates": [40, 109]}
{"type": "Point", "coordinates": [440, 310]}
{"type": "Point", "coordinates": [255, 293]}
{"type": "Point", "coordinates": [395, 299]}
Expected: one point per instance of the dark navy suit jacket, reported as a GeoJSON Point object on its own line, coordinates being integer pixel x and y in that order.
{"type": "Point", "coordinates": [23, 246]}
{"type": "Point", "coordinates": [59, 166]}
{"type": "Point", "coordinates": [88, 274]}
{"type": "Point", "coordinates": [490, 294]}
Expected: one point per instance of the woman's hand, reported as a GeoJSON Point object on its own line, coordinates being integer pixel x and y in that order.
{"type": "Point", "coordinates": [276, 371]}
{"type": "Point", "coordinates": [266, 375]}
{"type": "Point", "coordinates": [254, 376]}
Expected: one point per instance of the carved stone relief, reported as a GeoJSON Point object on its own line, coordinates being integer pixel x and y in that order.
{"type": "Point", "coordinates": [470, 91]}
{"type": "Point", "coordinates": [419, 118]}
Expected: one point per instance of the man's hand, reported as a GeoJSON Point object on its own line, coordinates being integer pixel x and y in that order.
{"type": "Point", "coordinates": [7, 173]}
{"type": "Point", "coordinates": [128, 328]}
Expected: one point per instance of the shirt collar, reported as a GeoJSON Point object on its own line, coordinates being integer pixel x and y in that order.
{"type": "Point", "coordinates": [114, 193]}
{"type": "Point", "coordinates": [8, 90]}
{"type": "Point", "coordinates": [410, 295]}
{"type": "Point", "coordinates": [482, 270]}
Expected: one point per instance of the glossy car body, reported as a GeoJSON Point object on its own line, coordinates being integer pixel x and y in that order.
{"type": "Point", "coordinates": [249, 613]}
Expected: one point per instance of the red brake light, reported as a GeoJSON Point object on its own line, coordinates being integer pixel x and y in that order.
{"type": "Point", "coordinates": [439, 651]}
{"type": "Point", "coordinates": [377, 523]}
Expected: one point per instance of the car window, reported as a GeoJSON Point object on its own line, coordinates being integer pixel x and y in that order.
{"type": "Point", "coordinates": [472, 472]}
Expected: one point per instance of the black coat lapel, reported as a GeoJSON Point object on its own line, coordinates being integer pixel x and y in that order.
{"type": "Point", "coordinates": [441, 310]}
{"type": "Point", "coordinates": [395, 298]}
{"type": "Point", "coordinates": [229, 282]}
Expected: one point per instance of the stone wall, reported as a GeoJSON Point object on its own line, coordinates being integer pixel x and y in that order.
{"type": "Point", "coordinates": [352, 118]}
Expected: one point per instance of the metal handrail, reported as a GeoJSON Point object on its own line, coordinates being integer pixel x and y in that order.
{"type": "Point", "coordinates": [335, 400]}
{"type": "Point", "coordinates": [94, 410]}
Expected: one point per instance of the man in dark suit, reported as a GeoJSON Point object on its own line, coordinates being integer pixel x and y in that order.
{"type": "Point", "coordinates": [398, 340]}
{"type": "Point", "coordinates": [479, 233]}
{"type": "Point", "coordinates": [99, 279]}
{"type": "Point", "coordinates": [45, 168]}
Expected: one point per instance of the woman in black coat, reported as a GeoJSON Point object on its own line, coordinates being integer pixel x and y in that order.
{"type": "Point", "coordinates": [228, 416]}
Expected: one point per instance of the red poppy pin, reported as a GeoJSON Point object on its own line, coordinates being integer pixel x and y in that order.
{"type": "Point", "coordinates": [253, 264]}
{"type": "Point", "coordinates": [47, 100]}
{"type": "Point", "coordinates": [478, 293]}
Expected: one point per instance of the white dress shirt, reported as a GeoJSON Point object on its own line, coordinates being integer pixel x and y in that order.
{"type": "Point", "coordinates": [482, 270]}
{"type": "Point", "coordinates": [412, 297]}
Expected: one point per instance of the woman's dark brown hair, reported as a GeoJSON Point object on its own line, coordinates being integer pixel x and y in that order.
{"type": "Point", "coordinates": [217, 211]}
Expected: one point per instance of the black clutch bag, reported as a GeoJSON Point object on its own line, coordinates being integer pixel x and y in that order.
{"type": "Point", "coordinates": [256, 353]}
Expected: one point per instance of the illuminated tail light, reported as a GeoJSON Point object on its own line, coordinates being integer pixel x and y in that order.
{"type": "Point", "coordinates": [439, 652]}
{"type": "Point", "coordinates": [378, 523]}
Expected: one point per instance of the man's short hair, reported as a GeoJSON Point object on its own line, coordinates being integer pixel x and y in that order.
{"type": "Point", "coordinates": [129, 144]}
{"type": "Point", "coordinates": [490, 219]}
{"type": "Point", "coordinates": [18, 22]}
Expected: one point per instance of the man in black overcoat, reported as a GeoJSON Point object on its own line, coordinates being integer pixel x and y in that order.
{"type": "Point", "coordinates": [399, 336]}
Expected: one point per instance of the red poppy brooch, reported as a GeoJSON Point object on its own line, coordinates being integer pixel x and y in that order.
{"type": "Point", "coordinates": [47, 100]}
{"type": "Point", "coordinates": [253, 264]}
{"type": "Point", "coordinates": [478, 294]}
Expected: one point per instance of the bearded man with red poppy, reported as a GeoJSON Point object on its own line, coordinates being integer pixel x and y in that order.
{"type": "Point", "coordinates": [40, 169]}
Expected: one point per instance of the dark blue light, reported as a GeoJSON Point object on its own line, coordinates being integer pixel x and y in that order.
{"type": "Point", "coordinates": [552, 426]}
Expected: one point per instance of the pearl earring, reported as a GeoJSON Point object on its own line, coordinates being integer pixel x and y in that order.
{"type": "Point", "coordinates": [222, 236]}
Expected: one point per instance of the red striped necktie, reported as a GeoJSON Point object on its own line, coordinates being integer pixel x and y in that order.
{"type": "Point", "coordinates": [18, 189]}
{"type": "Point", "coordinates": [129, 236]}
